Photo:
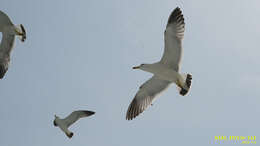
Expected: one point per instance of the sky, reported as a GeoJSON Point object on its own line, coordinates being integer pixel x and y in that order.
{"type": "Point", "coordinates": [79, 56]}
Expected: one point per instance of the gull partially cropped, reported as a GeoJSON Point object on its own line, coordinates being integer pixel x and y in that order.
{"type": "Point", "coordinates": [9, 31]}
{"type": "Point", "coordinates": [69, 120]}
{"type": "Point", "coordinates": [166, 71]}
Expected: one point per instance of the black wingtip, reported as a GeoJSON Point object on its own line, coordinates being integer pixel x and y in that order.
{"type": "Point", "coordinates": [133, 111]}
{"type": "Point", "coordinates": [176, 16]}
{"type": "Point", "coordinates": [70, 135]}
{"type": "Point", "coordinates": [24, 33]}
{"type": "Point", "coordinates": [89, 113]}
{"type": "Point", "coordinates": [55, 124]}
{"type": "Point", "coordinates": [2, 71]}
{"type": "Point", "coordinates": [183, 92]}
{"type": "Point", "coordinates": [177, 8]}
{"type": "Point", "coordinates": [188, 83]}
{"type": "Point", "coordinates": [188, 80]}
{"type": "Point", "coordinates": [92, 113]}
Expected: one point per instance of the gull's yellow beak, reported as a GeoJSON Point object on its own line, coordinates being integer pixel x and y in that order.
{"type": "Point", "coordinates": [136, 67]}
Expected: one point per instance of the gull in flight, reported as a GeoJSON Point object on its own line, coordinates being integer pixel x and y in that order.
{"type": "Point", "coordinates": [166, 71]}
{"type": "Point", "coordinates": [9, 31]}
{"type": "Point", "coordinates": [69, 120]}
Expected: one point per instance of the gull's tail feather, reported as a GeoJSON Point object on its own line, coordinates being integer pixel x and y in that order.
{"type": "Point", "coordinates": [188, 79]}
{"type": "Point", "coordinates": [24, 33]}
{"type": "Point", "coordinates": [2, 71]}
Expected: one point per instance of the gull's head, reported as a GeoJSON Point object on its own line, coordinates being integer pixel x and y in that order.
{"type": "Point", "coordinates": [20, 31]}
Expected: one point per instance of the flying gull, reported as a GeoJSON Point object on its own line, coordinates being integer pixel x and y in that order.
{"type": "Point", "coordinates": [69, 120]}
{"type": "Point", "coordinates": [166, 71]}
{"type": "Point", "coordinates": [9, 31]}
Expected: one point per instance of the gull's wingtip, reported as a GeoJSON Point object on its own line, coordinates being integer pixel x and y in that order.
{"type": "Point", "coordinates": [188, 84]}
{"type": "Point", "coordinates": [2, 71]}
{"type": "Point", "coordinates": [24, 33]}
{"type": "Point", "coordinates": [176, 16]}
{"type": "Point", "coordinates": [177, 9]}
{"type": "Point", "coordinates": [70, 134]}
{"type": "Point", "coordinates": [92, 113]}
{"type": "Point", "coordinates": [89, 113]}
{"type": "Point", "coordinates": [133, 110]}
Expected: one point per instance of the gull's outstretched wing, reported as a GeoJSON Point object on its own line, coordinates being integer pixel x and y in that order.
{"type": "Point", "coordinates": [4, 19]}
{"type": "Point", "coordinates": [173, 36]}
{"type": "Point", "coordinates": [145, 96]}
{"type": "Point", "coordinates": [6, 46]}
{"type": "Point", "coordinates": [74, 116]}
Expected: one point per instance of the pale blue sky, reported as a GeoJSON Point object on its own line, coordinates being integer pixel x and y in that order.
{"type": "Point", "coordinates": [79, 54]}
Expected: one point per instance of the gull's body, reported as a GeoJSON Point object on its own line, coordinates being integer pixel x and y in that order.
{"type": "Point", "coordinates": [166, 71]}
{"type": "Point", "coordinates": [163, 72]}
{"type": "Point", "coordinates": [64, 124]}
{"type": "Point", "coordinates": [9, 31]}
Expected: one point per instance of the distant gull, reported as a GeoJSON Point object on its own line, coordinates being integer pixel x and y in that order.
{"type": "Point", "coordinates": [72, 118]}
{"type": "Point", "coordinates": [9, 31]}
{"type": "Point", "coordinates": [166, 71]}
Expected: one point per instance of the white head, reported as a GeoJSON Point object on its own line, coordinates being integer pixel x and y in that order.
{"type": "Point", "coordinates": [20, 31]}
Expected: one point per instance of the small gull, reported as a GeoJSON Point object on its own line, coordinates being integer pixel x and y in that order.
{"type": "Point", "coordinates": [69, 120]}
